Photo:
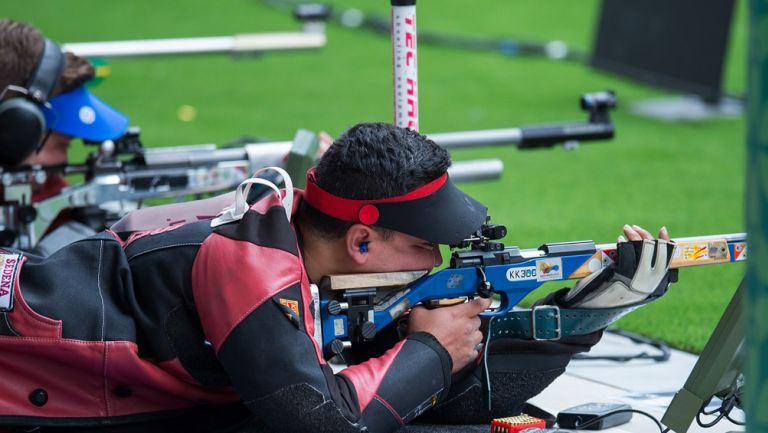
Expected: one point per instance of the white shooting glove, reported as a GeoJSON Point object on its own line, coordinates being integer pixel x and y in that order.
{"type": "Point", "coordinates": [641, 270]}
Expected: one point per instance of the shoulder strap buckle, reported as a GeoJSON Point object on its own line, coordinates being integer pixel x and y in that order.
{"type": "Point", "coordinates": [542, 325]}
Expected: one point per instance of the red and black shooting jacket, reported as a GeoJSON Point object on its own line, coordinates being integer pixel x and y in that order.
{"type": "Point", "coordinates": [127, 327]}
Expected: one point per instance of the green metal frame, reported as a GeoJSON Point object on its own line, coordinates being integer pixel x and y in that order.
{"type": "Point", "coordinates": [756, 300]}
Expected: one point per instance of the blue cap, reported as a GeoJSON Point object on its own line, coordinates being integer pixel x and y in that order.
{"type": "Point", "coordinates": [79, 113]}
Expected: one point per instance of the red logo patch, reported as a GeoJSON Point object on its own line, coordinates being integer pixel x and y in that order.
{"type": "Point", "coordinates": [290, 303]}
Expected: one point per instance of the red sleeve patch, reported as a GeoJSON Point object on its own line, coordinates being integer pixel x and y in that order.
{"type": "Point", "coordinates": [231, 278]}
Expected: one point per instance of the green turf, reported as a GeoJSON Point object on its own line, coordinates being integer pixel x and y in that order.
{"type": "Point", "coordinates": [688, 177]}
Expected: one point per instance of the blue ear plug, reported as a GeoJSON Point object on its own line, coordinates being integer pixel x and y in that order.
{"type": "Point", "coordinates": [363, 247]}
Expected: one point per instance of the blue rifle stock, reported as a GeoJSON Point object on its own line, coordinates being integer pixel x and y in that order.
{"type": "Point", "coordinates": [353, 308]}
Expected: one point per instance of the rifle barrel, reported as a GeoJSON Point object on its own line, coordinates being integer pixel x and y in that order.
{"type": "Point", "coordinates": [270, 153]}
{"type": "Point", "coordinates": [477, 169]}
{"type": "Point", "coordinates": [526, 137]}
{"type": "Point", "coordinates": [487, 137]}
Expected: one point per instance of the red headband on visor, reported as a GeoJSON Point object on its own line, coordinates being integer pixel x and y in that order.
{"type": "Point", "coordinates": [363, 211]}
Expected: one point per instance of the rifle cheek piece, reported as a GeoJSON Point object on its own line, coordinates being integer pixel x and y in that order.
{"type": "Point", "coordinates": [437, 212]}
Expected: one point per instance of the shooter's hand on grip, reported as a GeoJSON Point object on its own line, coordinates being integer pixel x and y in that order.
{"type": "Point", "coordinates": [456, 327]}
{"type": "Point", "coordinates": [641, 270]}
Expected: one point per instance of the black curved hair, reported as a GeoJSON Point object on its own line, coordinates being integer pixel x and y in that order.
{"type": "Point", "coordinates": [372, 161]}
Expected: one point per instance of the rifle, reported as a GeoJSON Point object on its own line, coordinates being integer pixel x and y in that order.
{"type": "Point", "coordinates": [353, 308]}
{"type": "Point", "coordinates": [122, 173]}
{"type": "Point", "coordinates": [312, 36]}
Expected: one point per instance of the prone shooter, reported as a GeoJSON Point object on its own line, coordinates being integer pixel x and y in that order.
{"type": "Point", "coordinates": [355, 307]}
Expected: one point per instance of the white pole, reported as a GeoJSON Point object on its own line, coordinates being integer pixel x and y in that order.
{"type": "Point", "coordinates": [405, 79]}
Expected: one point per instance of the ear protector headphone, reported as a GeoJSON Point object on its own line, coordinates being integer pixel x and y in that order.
{"type": "Point", "coordinates": [22, 123]}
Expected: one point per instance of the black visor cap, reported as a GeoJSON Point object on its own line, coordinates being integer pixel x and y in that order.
{"type": "Point", "coordinates": [447, 216]}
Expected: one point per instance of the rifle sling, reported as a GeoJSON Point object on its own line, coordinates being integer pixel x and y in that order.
{"type": "Point", "coordinates": [550, 322]}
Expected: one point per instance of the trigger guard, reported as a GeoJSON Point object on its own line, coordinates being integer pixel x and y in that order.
{"type": "Point", "coordinates": [504, 307]}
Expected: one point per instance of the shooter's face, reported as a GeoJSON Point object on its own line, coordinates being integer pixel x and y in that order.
{"type": "Point", "coordinates": [53, 152]}
{"type": "Point", "coordinates": [401, 252]}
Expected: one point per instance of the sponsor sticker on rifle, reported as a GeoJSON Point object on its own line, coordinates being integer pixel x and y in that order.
{"type": "Point", "coordinates": [696, 252]}
{"type": "Point", "coordinates": [691, 253]}
{"type": "Point", "coordinates": [455, 280]}
{"type": "Point", "coordinates": [338, 327]}
{"type": "Point", "coordinates": [9, 267]}
{"type": "Point", "coordinates": [702, 251]}
{"type": "Point", "coordinates": [740, 252]}
{"type": "Point", "coordinates": [521, 274]}
{"type": "Point", "coordinates": [609, 256]}
{"type": "Point", "coordinates": [549, 269]}
{"type": "Point", "coordinates": [400, 308]}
